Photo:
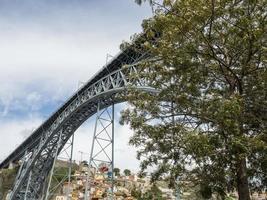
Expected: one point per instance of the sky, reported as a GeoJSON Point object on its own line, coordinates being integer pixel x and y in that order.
{"type": "Point", "coordinates": [48, 48]}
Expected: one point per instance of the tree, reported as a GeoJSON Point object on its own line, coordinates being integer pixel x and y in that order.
{"type": "Point", "coordinates": [208, 62]}
{"type": "Point", "coordinates": [153, 193]}
{"type": "Point", "coordinates": [142, 174]}
{"type": "Point", "coordinates": [84, 163]}
{"type": "Point", "coordinates": [116, 171]}
{"type": "Point", "coordinates": [136, 193]}
{"type": "Point", "coordinates": [127, 172]}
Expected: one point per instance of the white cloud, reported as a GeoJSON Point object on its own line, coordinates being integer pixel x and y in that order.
{"type": "Point", "coordinates": [33, 100]}
{"type": "Point", "coordinates": [50, 66]}
{"type": "Point", "coordinates": [46, 71]}
{"type": "Point", "coordinates": [42, 57]}
{"type": "Point", "coordinates": [14, 132]}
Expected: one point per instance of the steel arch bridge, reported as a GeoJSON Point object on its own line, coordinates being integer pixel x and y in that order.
{"type": "Point", "coordinates": [41, 146]}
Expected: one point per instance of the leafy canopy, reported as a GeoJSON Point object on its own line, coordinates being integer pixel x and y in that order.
{"type": "Point", "coordinates": [208, 123]}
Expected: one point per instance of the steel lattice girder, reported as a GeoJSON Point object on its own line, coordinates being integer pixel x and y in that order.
{"type": "Point", "coordinates": [128, 56]}
{"type": "Point", "coordinates": [34, 173]}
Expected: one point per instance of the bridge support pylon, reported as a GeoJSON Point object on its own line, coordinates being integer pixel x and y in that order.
{"type": "Point", "coordinates": [101, 162]}
{"type": "Point", "coordinates": [54, 184]}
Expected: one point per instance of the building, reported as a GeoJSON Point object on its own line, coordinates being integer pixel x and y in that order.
{"type": "Point", "coordinates": [61, 198]}
{"type": "Point", "coordinates": [67, 188]}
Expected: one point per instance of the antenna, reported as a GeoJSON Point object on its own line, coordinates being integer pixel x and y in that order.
{"type": "Point", "coordinates": [82, 153]}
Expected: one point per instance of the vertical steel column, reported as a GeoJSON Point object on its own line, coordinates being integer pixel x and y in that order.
{"type": "Point", "coordinates": [27, 188]}
{"type": "Point", "coordinates": [87, 185]}
{"type": "Point", "coordinates": [102, 150]}
{"type": "Point", "coordinates": [21, 166]}
{"type": "Point", "coordinates": [112, 165]}
{"type": "Point", "coordinates": [66, 155]}
{"type": "Point", "coordinates": [70, 166]}
{"type": "Point", "coordinates": [53, 166]}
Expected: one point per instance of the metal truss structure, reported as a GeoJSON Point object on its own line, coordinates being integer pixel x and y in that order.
{"type": "Point", "coordinates": [43, 146]}
{"type": "Point", "coordinates": [102, 151]}
{"type": "Point", "coordinates": [64, 156]}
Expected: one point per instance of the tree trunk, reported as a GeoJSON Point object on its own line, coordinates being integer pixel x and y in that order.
{"type": "Point", "coordinates": [242, 180]}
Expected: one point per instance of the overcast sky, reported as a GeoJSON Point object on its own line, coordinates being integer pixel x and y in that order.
{"type": "Point", "coordinates": [47, 48]}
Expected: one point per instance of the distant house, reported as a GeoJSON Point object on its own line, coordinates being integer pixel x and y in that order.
{"type": "Point", "coordinates": [67, 189]}
{"type": "Point", "coordinates": [77, 174]}
{"type": "Point", "coordinates": [61, 198]}
{"type": "Point", "coordinates": [98, 193]}
{"type": "Point", "coordinates": [133, 177]}
{"type": "Point", "coordinates": [81, 195]}
{"type": "Point", "coordinates": [79, 182]}
{"type": "Point", "coordinates": [167, 193]}
{"type": "Point", "coordinates": [99, 178]}
{"type": "Point", "coordinates": [85, 169]}
{"type": "Point", "coordinates": [123, 190]}
{"type": "Point", "coordinates": [140, 183]}
{"type": "Point", "coordinates": [259, 196]}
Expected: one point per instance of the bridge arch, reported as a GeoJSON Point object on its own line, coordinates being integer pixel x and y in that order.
{"type": "Point", "coordinates": [42, 145]}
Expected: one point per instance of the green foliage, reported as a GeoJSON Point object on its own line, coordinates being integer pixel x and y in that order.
{"type": "Point", "coordinates": [116, 171]}
{"type": "Point", "coordinates": [205, 191]}
{"type": "Point", "coordinates": [142, 174]}
{"type": "Point", "coordinates": [61, 172]}
{"type": "Point", "coordinates": [127, 172]}
{"type": "Point", "coordinates": [84, 162]}
{"type": "Point", "coordinates": [136, 193]}
{"type": "Point", "coordinates": [154, 193]}
{"type": "Point", "coordinates": [7, 177]}
{"type": "Point", "coordinates": [208, 62]}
